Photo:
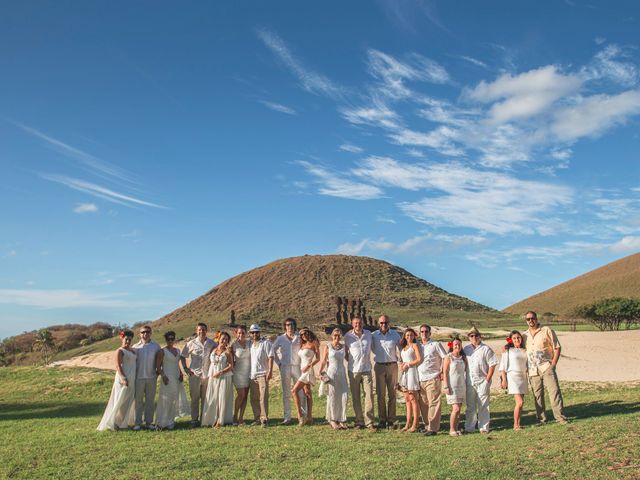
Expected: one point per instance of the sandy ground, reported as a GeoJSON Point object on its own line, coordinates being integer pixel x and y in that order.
{"type": "Point", "coordinates": [586, 356]}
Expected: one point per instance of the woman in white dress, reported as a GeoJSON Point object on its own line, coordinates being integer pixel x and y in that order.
{"type": "Point", "coordinates": [309, 355]}
{"type": "Point", "coordinates": [455, 382]}
{"type": "Point", "coordinates": [120, 409]}
{"type": "Point", "coordinates": [241, 370]}
{"type": "Point", "coordinates": [411, 356]}
{"type": "Point", "coordinates": [335, 377]}
{"type": "Point", "coordinates": [513, 373]}
{"type": "Point", "coordinates": [218, 408]}
{"type": "Point", "coordinates": [172, 400]}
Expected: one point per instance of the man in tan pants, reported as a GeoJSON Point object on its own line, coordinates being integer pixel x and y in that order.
{"type": "Point", "coordinates": [358, 345]}
{"type": "Point", "coordinates": [198, 351]}
{"type": "Point", "coordinates": [543, 353]}
{"type": "Point", "coordinates": [261, 371]}
{"type": "Point", "coordinates": [385, 355]}
{"type": "Point", "coordinates": [430, 374]}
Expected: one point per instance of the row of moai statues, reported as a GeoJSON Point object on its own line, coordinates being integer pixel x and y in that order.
{"type": "Point", "coordinates": [347, 309]}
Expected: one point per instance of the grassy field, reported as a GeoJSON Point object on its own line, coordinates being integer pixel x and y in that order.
{"type": "Point", "coordinates": [48, 418]}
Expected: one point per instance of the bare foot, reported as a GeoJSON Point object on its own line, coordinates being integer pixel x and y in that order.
{"type": "Point", "coordinates": [334, 425]}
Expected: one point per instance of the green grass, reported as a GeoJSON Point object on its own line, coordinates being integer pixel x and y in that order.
{"type": "Point", "coordinates": [48, 418]}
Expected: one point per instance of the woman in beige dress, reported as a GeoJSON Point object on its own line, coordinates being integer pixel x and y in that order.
{"type": "Point", "coordinates": [218, 407]}
{"type": "Point", "coordinates": [241, 370]}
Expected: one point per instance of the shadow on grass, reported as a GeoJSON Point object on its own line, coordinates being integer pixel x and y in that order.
{"type": "Point", "coordinates": [578, 411]}
{"type": "Point", "coordinates": [45, 410]}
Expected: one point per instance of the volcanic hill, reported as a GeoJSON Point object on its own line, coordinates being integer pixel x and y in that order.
{"type": "Point", "coordinates": [616, 279]}
{"type": "Point", "coordinates": [305, 288]}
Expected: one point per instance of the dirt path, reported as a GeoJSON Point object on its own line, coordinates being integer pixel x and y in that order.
{"type": "Point", "coordinates": [586, 356]}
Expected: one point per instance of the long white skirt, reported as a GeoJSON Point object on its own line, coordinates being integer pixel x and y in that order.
{"type": "Point", "coordinates": [120, 411]}
{"type": "Point", "coordinates": [218, 408]}
{"type": "Point", "coordinates": [337, 393]}
{"type": "Point", "coordinates": [172, 403]}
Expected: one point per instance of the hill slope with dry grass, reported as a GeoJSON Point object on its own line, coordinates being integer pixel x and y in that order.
{"type": "Point", "coordinates": [305, 288]}
{"type": "Point", "coordinates": [616, 279]}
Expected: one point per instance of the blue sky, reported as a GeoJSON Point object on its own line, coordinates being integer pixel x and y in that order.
{"type": "Point", "coordinates": [150, 150]}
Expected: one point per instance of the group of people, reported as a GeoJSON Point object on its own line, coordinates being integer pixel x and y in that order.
{"type": "Point", "coordinates": [413, 363]}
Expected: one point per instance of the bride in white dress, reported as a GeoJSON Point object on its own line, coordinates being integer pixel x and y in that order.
{"type": "Point", "coordinates": [172, 400]}
{"type": "Point", "coordinates": [241, 371]}
{"type": "Point", "coordinates": [335, 377]}
{"type": "Point", "coordinates": [513, 373]}
{"type": "Point", "coordinates": [218, 408]}
{"type": "Point", "coordinates": [120, 413]}
{"type": "Point", "coordinates": [309, 355]}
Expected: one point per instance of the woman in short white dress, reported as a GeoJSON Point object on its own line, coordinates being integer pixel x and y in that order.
{"type": "Point", "coordinates": [335, 377]}
{"type": "Point", "coordinates": [218, 407]}
{"type": "Point", "coordinates": [172, 399]}
{"type": "Point", "coordinates": [120, 409]}
{"type": "Point", "coordinates": [241, 370]}
{"type": "Point", "coordinates": [513, 373]}
{"type": "Point", "coordinates": [409, 381]}
{"type": "Point", "coordinates": [455, 382]}
{"type": "Point", "coordinates": [309, 355]}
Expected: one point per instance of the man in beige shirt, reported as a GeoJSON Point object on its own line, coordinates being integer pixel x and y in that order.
{"type": "Point", "coordinates": [543, 353]}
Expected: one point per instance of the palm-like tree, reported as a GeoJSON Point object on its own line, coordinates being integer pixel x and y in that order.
{"type": "Point", "coordinates": [43, 342]}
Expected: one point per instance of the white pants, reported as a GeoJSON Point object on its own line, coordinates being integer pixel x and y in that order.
{"type": "Point", "coordinates": [289, 375]}
{"type": "Point", "coordinates": [145, 399]}
{"type": "Point", "coordinates": [478, 396]}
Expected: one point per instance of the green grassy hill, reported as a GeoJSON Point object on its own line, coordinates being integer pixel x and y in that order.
{"type": "Point", "coordinates": [48, 420]}
{"type": "Point", "coordinates": [616, 279]}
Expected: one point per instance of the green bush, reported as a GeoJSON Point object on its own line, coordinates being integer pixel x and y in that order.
{"type": "Point", "coordinates": [611, 313]}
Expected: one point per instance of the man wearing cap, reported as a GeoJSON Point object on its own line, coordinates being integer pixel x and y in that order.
{"type": "Point", "coordinates": [146, 378]}
{"type": "Point", "coordinates": [358, 345]}
{"type": "Point", "coordinates": [198, 351]}
{"type": "Point", "coordinates": [285, 349]}
{"type": "Point", "coordinates": [261, 371]}
{"type": "Point", "coordinates": [543, 353]}
{"type": "Point", "coordinates": [384, 345]}
{"type": "Point", "coordinates": [481, 361]}
{"type": "Point", "coordinates": [430, 376]}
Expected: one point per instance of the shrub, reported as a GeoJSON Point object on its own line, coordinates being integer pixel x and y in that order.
{"type": "Point", "coordinates": [611, 313]}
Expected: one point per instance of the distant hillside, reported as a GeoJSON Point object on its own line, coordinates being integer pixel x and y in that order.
{"type": "Point", "coordinates": [305, 288]}
{"type": "Point", "coordinates": [616, 279]}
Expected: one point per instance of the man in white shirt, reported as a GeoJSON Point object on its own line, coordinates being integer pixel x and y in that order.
{"type": "Point", "coordinates": [358, 344]}
{"type": "Point", "coordinates": [146, 378]}
{"type": "Point", "coordinates": [430, 375]}
{"type": "Point", "coordinates": [481, 361]}
{"type": "Point", "coordinates": [198, 350]}
{"type": "Point", "coordinates": [261, 372]}
{"type": "Point", "coordinates": [285, 349]}
{"type": "Point", "coordinates": [384, 345]}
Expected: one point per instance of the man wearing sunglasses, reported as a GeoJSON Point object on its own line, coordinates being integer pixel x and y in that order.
{"type": "Point", "coordinates": [146, 378]}
{"type": "Point", "coordinates": [430, 375]}
{"type": "Point", "coordinates": [481, 362]}
{"type": "Point", "coordinates": [384, 345]}
{"type": "Point", "coordinates": [543, 353]}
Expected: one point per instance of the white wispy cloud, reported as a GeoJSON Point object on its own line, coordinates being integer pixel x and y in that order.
{"type": "Point", "coordinates": [99, 191]}
{"type": "Point", "coordinates": [60, 298]}
{"type": "Point", "coordinates": [376, 114]}
{"type": "Point", "coordinates": [417, 245]}
{"type": "Point", "coordinates": [278, 107]}
{"type": "Point", "coordinates": [594, 115]}
{"type": "Point", "coordinates": [474, 61]}
{"type": "Point", "coordinates": [347, 147]}
{"type": "Point", "coordinates": [610, 64]}
{"type": "Point", "coordinates": [90, 162]}
{"type": "Point", "coordinates": [484, 200]}
{"type": "Point", "coordinates": [85, 208]}
{"type": "Point", "coordinates": [392, 74]}
{"type": "Point", "coordinates": [525, 95]}
{"type": "Point", "coordinates": [335, 186]}
{"type": "Point", "coordinates": [311, 81]}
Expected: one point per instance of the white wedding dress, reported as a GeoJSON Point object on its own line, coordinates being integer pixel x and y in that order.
{"type": "Point", "coordinates": [337, 386]}
{"type": "Point", "coordinates": [172, 400]}
{"type": "Point", "coordinates": [120, 412]}
{"type": "Point", "coordinates": [218, 407]}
